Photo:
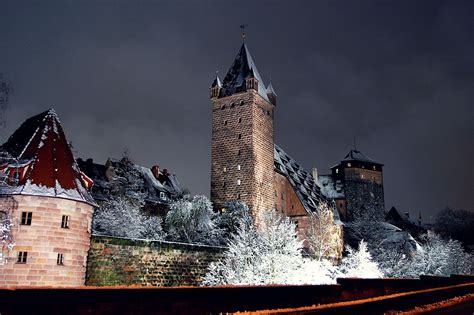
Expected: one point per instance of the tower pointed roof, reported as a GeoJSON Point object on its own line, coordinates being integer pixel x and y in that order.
{"type": "Point", "coordinates": [45, 161]}
{"type": "Point", "coordinates": [242, 68]}
{"type": "Point", "coordinates": [216, 82]}
{"type": "Point", "coordinates": [270, 89]}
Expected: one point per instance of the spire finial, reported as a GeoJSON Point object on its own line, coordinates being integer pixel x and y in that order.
{"type": "Point", "coordinates": [243, 26]}
{"type": "Point", "coordinates": [355, 146]}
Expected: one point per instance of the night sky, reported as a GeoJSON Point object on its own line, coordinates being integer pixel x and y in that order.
{"type": "Point", "coordinates": [397, 75]}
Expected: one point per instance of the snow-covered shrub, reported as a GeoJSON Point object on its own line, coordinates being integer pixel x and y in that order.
{"type": "Point", "coordinates": [268, 253]}
{"type": "Point", "coordinates": [440, 257]}
{"type": "Point", "coordinates": [121, 216]}
{"type": "Point", "coordinates": [315, 272]}
{"type": "Point", "coordinates": [359, 264]}
{"type": "Point", "coordinates": [190, 219]}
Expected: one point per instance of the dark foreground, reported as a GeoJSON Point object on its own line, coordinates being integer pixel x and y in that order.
{"type": "Point", "coordinates": [356, 296]}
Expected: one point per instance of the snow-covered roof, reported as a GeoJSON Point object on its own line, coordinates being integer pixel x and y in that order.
{"type": "Point", "coordinates": [216, 82]}
{"type": "Point", "coordinates": [330, 187]}
{"type": "Point", "coordinates": [302, 182]}
{"type": "Point", "coordinates": [51, 169]}
{"type": "Point", "coordinates": [242, 68]}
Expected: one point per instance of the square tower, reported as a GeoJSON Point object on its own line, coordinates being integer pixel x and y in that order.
{"type": "Point", "coordinates": [242, 137]}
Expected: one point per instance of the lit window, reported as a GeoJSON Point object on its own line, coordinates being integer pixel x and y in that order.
{"type": "Point", "coordinates": [349, 165]}
{"type": "Point", "coordinates": [26, 218]}
{"type": "Point", "coordinates": [337, 171]}
{"type": "Point", "coordinates": [225, 169]}
{"type": "Point", "coordinates": [162, 195]}
{"type": "Point", "coordinates": [22, 256]}
{"type": "Point", "coordinates": [60, 260]}
{"type": "Point", "coordinates": [362, 176]}
{"type": "Point", "coordinates": [238, 167]}
{"type": "Point", "coordinates": [238, 182]}
{"type": "Point", "coordinates": [374, 167]}
{"type": "Point", "coordinates": [65, 222]}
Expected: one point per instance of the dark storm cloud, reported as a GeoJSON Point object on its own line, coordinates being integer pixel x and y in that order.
{"type": "Point", "coordinates": [397, 75]}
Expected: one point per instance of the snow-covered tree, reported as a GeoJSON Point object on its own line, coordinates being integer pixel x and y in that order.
{"type": "Point", "coordinates": [269, 253]}
{"type": "Point", "coordinates": [7, 205]}
{"type": "Point", "coordinates": [190, 219]}
{"type": "Point", "coordinates": [314, 272]}
{"type": "Point", "coordinates": [122, 217]}
{"type": "Point", "coordinates": [456, 224]}
{"type": "Point", "coordinates": [359, 264]}
{"type": "Point", "coordinates": [233, 214]}
{"type": "Point", "coordinates": [322, 235]}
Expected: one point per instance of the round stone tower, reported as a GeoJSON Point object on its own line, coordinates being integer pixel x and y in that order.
{"type": "Point", "coordinates": [53, 209]}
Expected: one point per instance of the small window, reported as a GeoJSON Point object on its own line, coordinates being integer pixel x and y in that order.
{"type": "Point", "coordinates": [26, 218]}
{"type": "Point", "coordinates": [16, 175]}
{"type": "Point", "coordinates": [349, 164]}
{"type": "Point", "coordinates": [223, 184]}
{"type": "Point", "coordinates": [374, 167]}
{"type": "Point", "coordinates": [239, 152]}
{"type": "Point", "coordinates": [65, 222]}
{"type": "Point", "coordinates": [292, 207]}
{"type": "Point", "coordinates": [282, 196]}
{"type": "Point", "coordinates": [238, 167]}
{"type": "Point", "coordinates": [225, 169]}
{"type": "Point", "coordinates": [223, 106]}
{"type": "Point", "coordinates": [362, 176]}
{"type": "Point", "coordinates": [225, 122]}
{"type": "Point", "coordinates": [241, 103]}
{"type": "Point", "coordinates": [238, 182]}
{"type": "Point", "coordinates": [268, 112]}
{"type": "Point", "coordinates": [240, 120]}
{"type": "Point", "coordinates": [162, 195]}
{"type": "Point", "coordinates": [337, 171]}
{"type": "Point", "coordinates": [238, 196]}
{"type": "Point", "coordinates": [276, 193]}
{"type": "Point", "coordinates": [240, 136]}
{"type": "Point", "coordinates": [22, 256]}
{"type": "Point", "coordinates": [296, 224]}
{"type": "Point", "coordinates": [60, 260]}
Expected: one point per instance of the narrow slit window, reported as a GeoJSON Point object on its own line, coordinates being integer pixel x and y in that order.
{"type": "Point", "coordinates": [225, 122]}
{"type": "Point", "coordinates": [22, 257]}
{"type": "Point", "coordinates": [239, 152]}
{"type": "Point", "coordinates": [60, 260]}
{"type": "Point", "coordinates": [238, 167]}
{"type": "Point", "coordinates": [240, 120]}
{"type": "Point", "coordinates": [240, 136]}
{"type": "Point", "coordinates": [26, 218]}
{"type": "Point", "coordinates": [238, 182]}
{"type": "Point", "coordinates": [65, 222]}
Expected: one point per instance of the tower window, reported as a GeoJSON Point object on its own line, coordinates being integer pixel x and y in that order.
{"type": "Point", "coordinates": [337, 171]}
{"type": "Point", "coordinates": [240, 120]}
{"type": "Point", "coordinates": [225, 122]}
{"type": "Point", "coordinates": [349, 164]}
{"type": "Point", "coordinates": [223, 184]}
{"type": "Point", "coordinates": [240, 136]}
{"type": "Point", "coordinates": [374, 167]}
{"type": "Point", "coordinates": [362, 176]}
{"type": "Point", "coordinates": [26, 218]}
{"type": "Point", "coordinates": [238, 196]}
{"type": "Point", "coordinates": [292, 207]}
{"type": "Point", "coordinates": [225, 169]}
{"type": "Point", "coordinates": [65, 222]}
{"type": "Point", "coordinates": [60, 259]}
{"type": "Point", "coordinates": [238, 182]}
{"type": "Point", "coordinates": [241, 103]}
{"type": "Point", "coordinates": [238, 167]}
{"type": "Point", "coordinates": [22, 256]}
{"type": "Point", "coordinates": [239, 152]}
{"type": "Point", "coordinates": [162, 195]}
{"type": "Point", "coordinates": [223, 106]}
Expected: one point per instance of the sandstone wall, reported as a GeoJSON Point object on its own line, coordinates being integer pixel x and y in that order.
{"type": "Point", "coordinates": [44, 239]}
{"type": "Point", "coordinates": [115, 261]}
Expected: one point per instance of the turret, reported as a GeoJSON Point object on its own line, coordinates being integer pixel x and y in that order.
{"type": "Point", "coordinates": [271, 94]}
{"type": "Point", "coordinates": [216, 87]}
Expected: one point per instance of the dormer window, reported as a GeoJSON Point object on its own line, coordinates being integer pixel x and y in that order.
{"type": "Point", "coordinates": [162, 195]}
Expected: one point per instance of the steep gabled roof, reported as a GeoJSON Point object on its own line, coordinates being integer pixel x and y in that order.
{"type": "Point", "coordinates": [242, 68]}
{"type": "Point", "coordinates": [302, 182]}
{"type": "Point", "coordinates": [356, 155]}
{"type": "Point", "coordinates": [216, 82]}
{"type": "Point", "coordinates": [50, 169]}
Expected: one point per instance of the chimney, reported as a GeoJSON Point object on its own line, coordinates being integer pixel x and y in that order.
{"type": "Point", "coordinates": [155, 170]}
{"type": "Point", "coordinates": [315, 175]}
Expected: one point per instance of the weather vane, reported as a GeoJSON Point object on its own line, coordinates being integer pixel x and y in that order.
{"type": "Point", "coordinates": [243, 26]}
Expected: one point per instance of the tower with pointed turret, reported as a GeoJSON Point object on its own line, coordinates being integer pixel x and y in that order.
{"type": "Point", "coordinates": [242, 136]}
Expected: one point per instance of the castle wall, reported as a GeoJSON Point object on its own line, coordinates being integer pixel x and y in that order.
{"type": "Point", "coordinates": [44, 239]}
{"type": "Point", "coordinates": [116, 261]}
{"type": "Point", "coordinates": [242, 135]}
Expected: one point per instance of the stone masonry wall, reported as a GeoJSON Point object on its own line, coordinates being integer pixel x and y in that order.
{"type": "Point", "coordinates": [242, 151]}
{"type": "Point", "coordinates": [44, 239]}
{"type": "Point", "coordinates": [116, 261]}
